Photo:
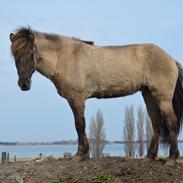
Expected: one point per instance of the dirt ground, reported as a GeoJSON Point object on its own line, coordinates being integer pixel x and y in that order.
{"type": "Point", "coordinates": [120, 169]}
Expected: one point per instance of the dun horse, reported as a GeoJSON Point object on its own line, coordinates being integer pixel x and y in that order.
{"type": "Point", "coordinates": [82, 70]}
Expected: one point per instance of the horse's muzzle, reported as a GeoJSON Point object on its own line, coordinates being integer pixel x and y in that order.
{"type": "Point", "coordinates": [25, 85]}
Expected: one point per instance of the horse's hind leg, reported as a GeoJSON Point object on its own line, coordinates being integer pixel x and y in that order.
{"type": "Point", "coordinates": [163, 99]}
{"type": "Point", "coordinates": [155, 116]}
{"type": "Point", "coordinates": [168, 114]}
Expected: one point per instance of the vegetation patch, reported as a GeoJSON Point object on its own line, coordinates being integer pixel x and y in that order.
{"type": "Point", "coordinates": [104, 178]}
{"type": "Point", "coordinates": [98, 178]}
{"type": "Point", "coordinates": [68, 179]}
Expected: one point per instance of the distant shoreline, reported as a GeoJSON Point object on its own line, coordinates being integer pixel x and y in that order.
{"type": "Point", "coordinates": [64, 142]}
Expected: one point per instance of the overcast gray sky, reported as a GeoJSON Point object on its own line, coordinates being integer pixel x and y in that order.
{"type": "Point", "coordinates": [42, 115]}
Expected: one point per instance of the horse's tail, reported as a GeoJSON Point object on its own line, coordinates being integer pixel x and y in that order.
{"type": "Point", "coordinates": [178, 98]}
{"type": "Point", "coordinates": [177, 106]}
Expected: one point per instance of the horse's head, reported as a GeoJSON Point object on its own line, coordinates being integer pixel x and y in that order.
{"type": "Point", "coordinates": [24, 52]}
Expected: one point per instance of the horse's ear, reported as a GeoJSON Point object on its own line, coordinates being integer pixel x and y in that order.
{"type": "Point", "coordinates": [11, 37]}
{"type": "Point", "coordinates": [31, 36]}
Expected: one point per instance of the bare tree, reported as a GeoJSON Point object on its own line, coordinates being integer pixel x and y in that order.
{"type": "Point", "coordinates": [97, 135]}
{"type": "Point", "coordinates": [149, 130]}
{"type": "Point", "coordinates": [140, 130]}
{"type": "Point", "coordinates": [129, 132]}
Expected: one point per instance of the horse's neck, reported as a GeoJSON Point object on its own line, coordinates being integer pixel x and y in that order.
{"type": "Point", "coordinates": [51, 53]}
{"type": "Point", "coordinates": [46, 68]}
{"type": "Point", "coordinates": [47, 60]}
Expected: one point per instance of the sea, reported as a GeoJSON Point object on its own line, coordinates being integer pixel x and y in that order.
{"type": "Point", "coordinates": [34, 151]}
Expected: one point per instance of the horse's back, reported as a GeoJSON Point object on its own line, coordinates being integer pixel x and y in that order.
{"type": "Point", "coordinates": [126, 69]}
{"type": "Point", "coordinates": [116, 70]}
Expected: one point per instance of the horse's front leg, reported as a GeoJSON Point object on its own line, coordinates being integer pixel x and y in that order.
{"type": "Point", "coordinates": [78, 105]}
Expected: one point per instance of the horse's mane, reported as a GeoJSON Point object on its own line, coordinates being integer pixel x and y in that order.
{"type": "Point", "coordinates": [22, 37]}
{"type": "Point", "coordinates": [22, 40]}
{"type": "Point", "coordinates": [55, 37]}
{"type": "Point", "coordinates": [83, 41]}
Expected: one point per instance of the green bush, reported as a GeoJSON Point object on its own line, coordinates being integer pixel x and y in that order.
{"type": "Point", "coordinates": [58, 181]}
{"type": "Point", "coordinates": [98, 178]}
{"type": "Point", "coordinates": [104, 178]}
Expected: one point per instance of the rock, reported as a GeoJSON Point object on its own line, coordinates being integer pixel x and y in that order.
{"type": "Point", "coordinates": [45, 158]}
{"type": "Point", "coordinates": [27, 176]}
{"type": "Point", "coordinates": [51, 158]}
{"type": "Point", "coordinates": [85, 168]}
{"type": "Point", "coordinates": [68, 156]}
{"type": "Point", "coordinates": [38, 161]}
{"type": "Point", "coordinates": [19, 179]}
{"type": "Point", "coordinates": [170, 162]}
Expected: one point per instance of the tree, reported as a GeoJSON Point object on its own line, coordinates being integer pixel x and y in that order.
{"type": "Point", "coordinates": [97, 135]}
{"type": "Point", "coordinates": [140, 130]}
{"type": "Point", "coordinates": [128, 131]}
{"type": "Point", "coordinates": [149, 130]}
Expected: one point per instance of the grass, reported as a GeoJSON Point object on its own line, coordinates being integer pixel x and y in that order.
{"type": "Point", "coordinates": [104, 178]}
{"type": "Point", "coordinates": [98, 178]}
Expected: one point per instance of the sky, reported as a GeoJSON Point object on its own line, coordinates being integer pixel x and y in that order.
{"type": "Point", "coordinates": [41, 114]}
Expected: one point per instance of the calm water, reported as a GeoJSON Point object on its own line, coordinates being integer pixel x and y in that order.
{"type": "Point", "coordinates": [59, 150]}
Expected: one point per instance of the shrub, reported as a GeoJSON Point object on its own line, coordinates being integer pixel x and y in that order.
{"type": "Point", "coordinates": [98, 178]}
{"type": "Point", "coordinates": [104, 178]}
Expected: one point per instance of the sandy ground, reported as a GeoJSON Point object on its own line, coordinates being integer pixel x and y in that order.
{"type": "Point", "coordinates": [123, 170]}
{"type": "Point", "coordinates": [20, 159]}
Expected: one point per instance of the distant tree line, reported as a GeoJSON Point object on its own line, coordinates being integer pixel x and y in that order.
{"type": "Point", "coordinates": [97, 135]}
{"type": "Point", "coordinates": [139, 130]}
{"type": "Point", "coordinates": [8, 143]}
{"type": "Point", "coordinates": [143, 128]}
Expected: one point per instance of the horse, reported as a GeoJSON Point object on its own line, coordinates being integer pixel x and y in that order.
{"type": "Point", "coordinates": [81, 70]}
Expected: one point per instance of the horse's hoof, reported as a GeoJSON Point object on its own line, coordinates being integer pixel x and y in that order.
{"type": "Point", "coordinates": [170, 162]}
{"type": "Point", "coordinates": [78, 158]}
{"type": "Point", "coordinates": [150, 158]}
{"type": "Point", "coordinates": [146, 159]}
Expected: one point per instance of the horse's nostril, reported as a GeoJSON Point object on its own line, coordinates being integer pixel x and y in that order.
{"type": "Point", "coordinates": [28, 82]}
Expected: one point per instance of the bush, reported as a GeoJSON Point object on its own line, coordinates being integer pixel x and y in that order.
{"type": "Point", "coordinates": [58, 181]}
{"type": "Point", "coordinates": [98, 178]}
{"type": "Point", "coordinates": [103, 178]}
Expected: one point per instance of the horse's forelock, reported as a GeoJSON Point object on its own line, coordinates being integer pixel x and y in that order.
{"type": "Point", "coordinates": [21, 41]}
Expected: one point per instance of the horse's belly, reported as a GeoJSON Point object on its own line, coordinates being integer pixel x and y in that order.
{"type": "Point", "coordinates": [115, 82]}
{"type": "Point", "coordinates": [112, 92]}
